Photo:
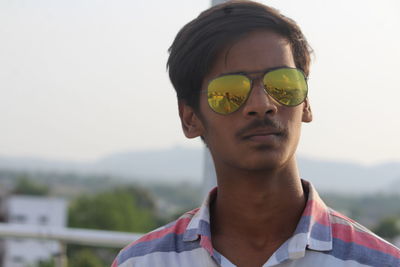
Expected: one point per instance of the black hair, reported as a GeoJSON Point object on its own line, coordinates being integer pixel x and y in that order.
{"type": "Point", "coordinates": [197, 44]}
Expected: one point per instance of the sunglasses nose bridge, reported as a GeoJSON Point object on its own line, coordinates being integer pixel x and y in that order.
{"type": "Point", "coordinates": [259, 101]}
{"type": "Point", "coordinates": [259, 83]}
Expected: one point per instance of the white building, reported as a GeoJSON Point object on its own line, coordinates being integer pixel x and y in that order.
{"type": "Point", "coordinates": [34, 211]}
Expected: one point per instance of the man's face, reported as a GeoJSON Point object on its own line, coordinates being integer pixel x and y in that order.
{"type": "Point", "coordinates": [262, 134]}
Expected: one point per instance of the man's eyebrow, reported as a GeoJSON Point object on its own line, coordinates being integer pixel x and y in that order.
{"type": "Point", "coordinates": [253, 72]}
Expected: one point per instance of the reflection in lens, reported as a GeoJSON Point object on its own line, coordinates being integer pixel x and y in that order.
{"type": "Point", "coordinates": [287, 86]}
{"type": "Point", "coordinates": [227, 93]}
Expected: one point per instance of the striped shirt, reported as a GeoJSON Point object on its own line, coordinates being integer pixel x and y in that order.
{"type": "Point", "coordinates": [323, 237]}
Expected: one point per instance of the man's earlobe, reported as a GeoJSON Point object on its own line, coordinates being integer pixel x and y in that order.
{"type": "Point", "coordinates": [191, 125]}
{"type": "Point", "coordinates": [307, 113]}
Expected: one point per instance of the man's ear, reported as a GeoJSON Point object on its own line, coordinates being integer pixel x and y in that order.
{"type": "Point", "coordinates": [307, 113]}
{"type": "Point", "coordinates": [191, 124]}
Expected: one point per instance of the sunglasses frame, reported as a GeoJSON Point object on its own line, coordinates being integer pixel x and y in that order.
{"type": "Point", "coordinates": [263, 73]}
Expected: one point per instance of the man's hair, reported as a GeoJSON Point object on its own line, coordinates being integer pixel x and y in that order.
{"type": "Point", "coordinates": [196, 46]}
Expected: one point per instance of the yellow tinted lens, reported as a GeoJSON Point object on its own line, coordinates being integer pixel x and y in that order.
{"type": "Point", "coordinates": [227, 93]}
{"type": "Point", "coordinates": [287, 86]}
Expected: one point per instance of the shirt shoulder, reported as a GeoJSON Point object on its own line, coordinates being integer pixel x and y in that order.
{"type": "Point", "coordinates": [354, 242]}
{"type": "Point", "coordinates": [158, 245]}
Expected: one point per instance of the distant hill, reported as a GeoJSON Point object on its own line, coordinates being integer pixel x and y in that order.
{"type": "Point", "coordinates": [185, 164]}
{"type": "Point", "coordinates": [174, 164]}
{"type": "Point", "coordinates": [345, 177]}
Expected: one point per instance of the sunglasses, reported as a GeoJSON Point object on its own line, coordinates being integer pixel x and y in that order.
{"type": "Point", "coordinates": [227, 93]}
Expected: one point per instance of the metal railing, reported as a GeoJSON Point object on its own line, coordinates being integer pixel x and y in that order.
{"type": "Point", "coordinates": [97, 238]}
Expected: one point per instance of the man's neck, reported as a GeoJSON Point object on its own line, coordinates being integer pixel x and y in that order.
{"type": "Point", "coordinates": [259, 209]}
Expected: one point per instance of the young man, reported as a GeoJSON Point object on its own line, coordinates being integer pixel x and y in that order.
{"type": "Point", "coordinates": [240, 71]}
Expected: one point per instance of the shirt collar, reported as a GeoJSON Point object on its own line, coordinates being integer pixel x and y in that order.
{"type": "Point", "coordinates": [315, 221]}
{"type": "Point", "coordinates": [313, 231]}
{"type": "Point", "coordinates": [200, 223]}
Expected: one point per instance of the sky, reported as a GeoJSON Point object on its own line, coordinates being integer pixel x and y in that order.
{"type": "Point", "coordinates": [80, 80]}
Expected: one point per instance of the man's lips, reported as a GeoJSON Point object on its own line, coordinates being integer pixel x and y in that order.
{"type": "Point", "coordinates": [261, 135]}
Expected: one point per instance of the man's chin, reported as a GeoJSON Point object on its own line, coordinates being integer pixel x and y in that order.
{"type": "Point", "coordinates": [263, 165]}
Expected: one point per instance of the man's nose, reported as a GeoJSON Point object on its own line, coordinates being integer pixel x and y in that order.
{"type": "Point", "coordinates": [259, 103]}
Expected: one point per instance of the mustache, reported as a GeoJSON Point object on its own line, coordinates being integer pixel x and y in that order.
{"type": "Point", "coordinates": [262, 123]}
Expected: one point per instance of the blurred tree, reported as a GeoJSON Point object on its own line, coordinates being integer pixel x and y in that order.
{"type": "Point", "coordinates": [388, 228]}
{"type": "Point", "coordinates": [128, 209]}
{"type": "Point", "coordinates": [122, 209]}
{"type": "Point", "coordinates": [27, 186]}
{"type": "Point", "coordinates": [85, 258]}
{"type": "Point", "coordinates": [47, 263]}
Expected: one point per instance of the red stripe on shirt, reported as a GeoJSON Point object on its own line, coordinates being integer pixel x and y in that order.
{"type": "Point", "coordinates": [347, 233]}
{"type": "Point", "coordinates": [317, 211]}
{"type": "Point", "coordinates": [178, 228]}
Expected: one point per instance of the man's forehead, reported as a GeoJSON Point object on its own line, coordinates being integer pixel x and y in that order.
{"type": "Point", "coordinates": [243, 55]}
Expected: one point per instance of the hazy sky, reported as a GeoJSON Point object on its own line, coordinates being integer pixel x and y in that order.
{"type": "Point", "coordinates": [80, 79]}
